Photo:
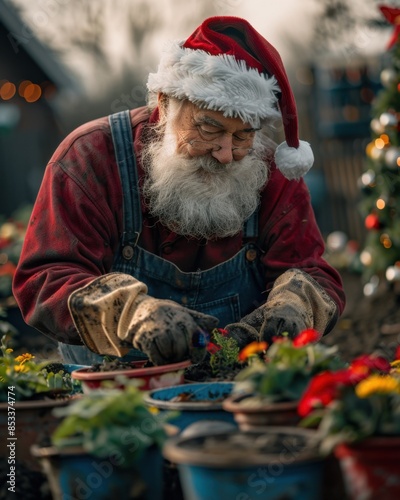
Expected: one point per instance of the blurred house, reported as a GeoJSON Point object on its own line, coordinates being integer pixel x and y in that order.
{"type": "Point", "coordinates": [32, 81]}
{"type": "Point", "coordinates": [339, 116]}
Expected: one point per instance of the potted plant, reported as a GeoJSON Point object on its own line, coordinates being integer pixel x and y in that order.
{"type": "Point", "coordinates": [107, 444]}
{"type": "Point", "coordinates": [267, 390]}
{"type": "Point", "coordinates": [28, 393]}
{"type": "Point", "coordinates": [357, 411]}
{"type": "Point", "coordinates": [221, 362]}
{"type": "Point", "coordinates": [150, 376]}
{"type": "Point", "coordinates": [267, 463]}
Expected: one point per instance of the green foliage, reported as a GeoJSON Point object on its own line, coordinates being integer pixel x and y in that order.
{"type": "Point", "coordinates": [227, 356]}
{"type": "Point", "coordinates": [286, 370]}
{"type": "Point", "coordinates": [29, 379]}
{"type": "Point", "coordinates": [111, 423]}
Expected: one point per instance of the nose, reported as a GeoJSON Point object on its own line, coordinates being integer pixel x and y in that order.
{"type": "Point", "coordinates": [224, 154]}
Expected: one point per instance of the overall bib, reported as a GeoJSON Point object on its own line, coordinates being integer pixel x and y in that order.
{"type": "Point", "coordinates": [228, 291]}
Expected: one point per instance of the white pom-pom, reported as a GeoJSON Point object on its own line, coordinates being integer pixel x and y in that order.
{"type": "Point", "coordinates": [294, 162]}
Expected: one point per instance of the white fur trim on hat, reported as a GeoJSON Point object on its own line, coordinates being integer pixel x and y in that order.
{"type": "Point", "coordinates": [217, 82]}
{"type": "Point", "coordinates": [294, 162]}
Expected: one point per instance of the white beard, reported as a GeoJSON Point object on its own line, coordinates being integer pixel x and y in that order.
{"type": "Point", "coordinates": [200, 197]}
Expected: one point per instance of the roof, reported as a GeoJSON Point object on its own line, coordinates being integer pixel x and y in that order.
{"type": "Point", "coordinates": [43, 56]}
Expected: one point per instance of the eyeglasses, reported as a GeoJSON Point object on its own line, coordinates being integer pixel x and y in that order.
{"type": "Point", "coordinates": [209, 147]}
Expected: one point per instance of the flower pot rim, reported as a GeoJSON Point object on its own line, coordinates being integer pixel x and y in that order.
{"type": "Point", "coordinates": [389, 441]}
{"type": "Point", "coordinates": [38, 403]}
{"type": "Point", "coordinates": [176, 451]}
{"type": "Point", "coordinates": [233, 404]}
{"type": "Point", "coordinates": [84, 374]}
{"type": "Point", "coordinates": [53, 451]}
{"type": "Point", "coordinates": [188, 405]}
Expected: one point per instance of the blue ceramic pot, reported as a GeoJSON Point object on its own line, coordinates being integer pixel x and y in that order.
{"type": "Point", "coordinates": [243, 465]}
{"type": "Point", "coordinates": [74, 474]}
{"type": "Point", "coordinates": [203, 402]}
{"type": "Point", "coordinates": [69, 368]}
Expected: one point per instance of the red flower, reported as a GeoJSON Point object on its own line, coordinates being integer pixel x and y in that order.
{"type": "Point", "coordinates": [365, 364]}
{"type": "Point", "coordinates": [306, 337]}
{"type": "Point", "coordinates": [323, 389]}
{"type": "Point", "coordinates": [213, 348]}
{"type": "Point", "coordinates": [279, 340]}
{"type": "Point", "coordinates": [397, 353]}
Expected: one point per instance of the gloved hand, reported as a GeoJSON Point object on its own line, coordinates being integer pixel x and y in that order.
{"type": "Point", "coordinates": [113, 313]}
{"type": "Point", "coordinates": [296, 302]}
{"type": "Point", "coordinates": [168, 332]}
{"type": "Point", "coordinates": [243, 333]}
{"type": "Point", "coordinates": [275, 321]}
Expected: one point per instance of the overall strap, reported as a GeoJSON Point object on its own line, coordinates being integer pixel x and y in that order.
{"type": "Point", "coordinates": [250, 228]}
{"type": "Point", "coordinates": [121, 131]}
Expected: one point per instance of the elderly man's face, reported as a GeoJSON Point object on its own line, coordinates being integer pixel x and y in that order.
{"type": "Point", "coordinates": [203, 189]}
{"type": "Point", "coordinates": [202, 131]}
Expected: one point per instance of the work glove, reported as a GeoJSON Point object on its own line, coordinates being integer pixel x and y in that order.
{"type": "Point", "coordinates": [113, 313]}
{"type": "Point", "coordinates": [295, 303]}
{"type": "Point", "coordinates": [243, 333]}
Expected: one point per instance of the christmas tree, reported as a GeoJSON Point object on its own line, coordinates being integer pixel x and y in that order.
{"type": "Point", "coordinates": [380, 182]}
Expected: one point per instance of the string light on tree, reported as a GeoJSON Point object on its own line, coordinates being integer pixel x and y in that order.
{"type": "Point", "coordinates": [392, 158]}
{"type": "Point", "coordinates": [388, 120]}
{"type": "Point", "coordinates": [393, 272]}
{"type": "Point", "coordinates": [388, 77]}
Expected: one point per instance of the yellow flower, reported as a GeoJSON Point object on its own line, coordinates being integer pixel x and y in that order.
{"type": "Point", "coordinates": [395, 363]}
{"type": "Point", "coordinates": [377, 384]}
{"type": "Point", "coordinates": [21, 368]}
{"type": "Point", "coordinates": [23, 358]}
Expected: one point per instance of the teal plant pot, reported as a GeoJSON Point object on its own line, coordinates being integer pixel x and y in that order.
{"type": "Point", "coordinates": [69, 368]}
{"type": "Point", "coordinates": [72, 473]}
{"type": "Point", "coordinates": [269, 463]}
{"type": "Point", "coordinates": [203, 402]}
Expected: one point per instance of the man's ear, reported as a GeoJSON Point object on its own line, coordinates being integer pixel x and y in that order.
{"type": "Point", "coordinates": [162, 100]}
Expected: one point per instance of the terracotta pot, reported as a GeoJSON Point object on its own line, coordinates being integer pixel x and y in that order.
{"type": "Point", "coordinates": [153, 377]}
{"type": "Point", "coordinates": [265, 463]}
{"type": "Point", "coordinates": [249, 417]}
{"type": "Point", "coordinates": [371, 468]}
{"type": "Point", "coordinates": [34, 422]}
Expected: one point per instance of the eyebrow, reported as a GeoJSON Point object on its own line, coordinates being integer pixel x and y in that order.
{"type": "Point", "coordinates": [211, 121]}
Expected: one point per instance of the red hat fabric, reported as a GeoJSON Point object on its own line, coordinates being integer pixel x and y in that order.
{"type": "Point", "coordinates": [227, 66]}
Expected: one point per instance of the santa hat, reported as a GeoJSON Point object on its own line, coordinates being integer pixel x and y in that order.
{"type": "Point", "coordinates": [227, 66]}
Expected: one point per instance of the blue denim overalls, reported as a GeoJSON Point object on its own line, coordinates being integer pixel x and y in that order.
{"type": "Point", "coordinates": [228, 291]}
